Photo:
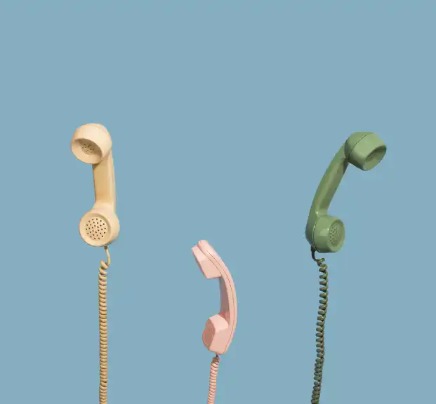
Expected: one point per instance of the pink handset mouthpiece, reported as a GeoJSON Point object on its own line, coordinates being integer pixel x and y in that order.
{"type": "Point", "coordinates": [220, 328]}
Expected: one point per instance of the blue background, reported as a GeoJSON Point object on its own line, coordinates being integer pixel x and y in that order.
{"type": "Point", "coordinates": [224, 116]}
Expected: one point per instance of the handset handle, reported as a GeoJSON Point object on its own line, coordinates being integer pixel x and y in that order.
{"type": "Point", "coordinates": [220, 328]}
{"type": "Point", "coordinates": [104, 183]}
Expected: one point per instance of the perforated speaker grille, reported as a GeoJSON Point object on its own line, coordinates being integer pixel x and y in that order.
{"type": "Point", "coordinates": [96, 228]}
{"type": "Point", "coordinates": [88, 147]}
{"type": "Point", "coordinates": [335, 234]}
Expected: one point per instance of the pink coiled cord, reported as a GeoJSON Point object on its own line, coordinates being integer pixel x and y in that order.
{"type": "Point", "coordinates": [214, 365]}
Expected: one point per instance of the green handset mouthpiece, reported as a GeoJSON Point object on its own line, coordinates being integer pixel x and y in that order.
{"type": "Point", "coordinates": [326, 233]}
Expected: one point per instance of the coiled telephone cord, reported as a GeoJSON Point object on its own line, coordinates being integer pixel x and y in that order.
{"type": "Point", "coordinates": [214, 365]}
{"type": "Point", "coordinates": [320, 327]}
{"type": "Point", "coordinates": [102, 317]}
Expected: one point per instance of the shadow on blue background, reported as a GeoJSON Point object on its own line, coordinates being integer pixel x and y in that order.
{"type": "Point", "coordinates": [224, 116]}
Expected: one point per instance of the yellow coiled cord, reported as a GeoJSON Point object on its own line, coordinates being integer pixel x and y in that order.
{"type": "Point", "coordinates": [102, 318]}
{"type": "Point", "coordinates": [320, 327]}
{"type": "Point", "coordinates": [214, 365]}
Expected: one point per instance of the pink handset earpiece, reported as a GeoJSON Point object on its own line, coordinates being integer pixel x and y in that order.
{"type": "Point", "coordinates": [220, 328]}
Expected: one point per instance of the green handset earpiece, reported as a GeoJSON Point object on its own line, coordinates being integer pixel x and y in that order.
{"type": "Point", "coordinates": [326, 233]}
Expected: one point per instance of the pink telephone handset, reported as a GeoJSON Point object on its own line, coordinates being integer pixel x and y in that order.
{"type": "Point", "coordinates": [220, 328]}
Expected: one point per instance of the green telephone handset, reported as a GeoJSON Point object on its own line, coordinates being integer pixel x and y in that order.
{"type": "Point", "coordinates": [326, 233]}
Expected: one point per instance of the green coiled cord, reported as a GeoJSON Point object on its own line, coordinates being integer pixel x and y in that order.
{"type": "Point", "coordinates": [320, 327]}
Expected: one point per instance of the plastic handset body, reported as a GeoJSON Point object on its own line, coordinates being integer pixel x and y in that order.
{"type": "Point", "coordinates": [326, 190]}
{"type": "Point", "coordinates": [220, 328]}
{"type": "Point", "coordinates": [364, 150]}
{"type": "Point", "coordinates": [92, 144]}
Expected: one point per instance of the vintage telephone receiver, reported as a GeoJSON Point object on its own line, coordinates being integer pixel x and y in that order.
{"type": "Point", "coordinates": [326, 233]}
{"type": "Point", "coordinates": [220, 328]}
{"type": "Point", "coordinates": [92, 144]}
{"type": "Point", "coordinates": [100, 226]}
